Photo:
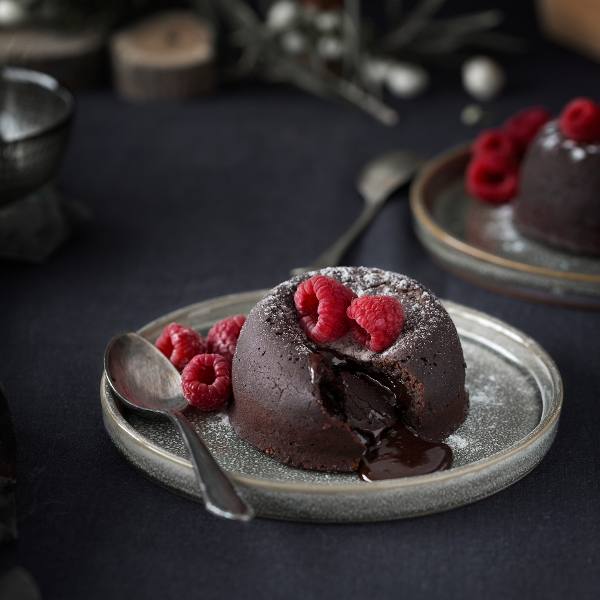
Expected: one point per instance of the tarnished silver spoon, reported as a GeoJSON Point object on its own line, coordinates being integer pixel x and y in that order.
{"type": "Point", "coordinates": [376, 182]}
{"type": "Point", "coordinates": [145, 380]}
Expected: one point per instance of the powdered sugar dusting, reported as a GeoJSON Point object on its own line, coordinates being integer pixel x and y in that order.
{"type": "Point", "coordinates": [551, 137]}
{"type": "Point", "coordinates": [505, 405]}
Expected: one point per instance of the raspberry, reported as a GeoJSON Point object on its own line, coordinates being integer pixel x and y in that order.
{"type": "Point", "coordinates": [491, 178]}
{"type": "Point", "coordinates": [206, 381]}
{"type": "Point", "coordinates": [523, 126]}
{"type": "Point", "coordinates": [321, 303]}
{"type": "Point", "coordinates": [495, 141]}
{"type": "Point", "coordinates": [180, 344]}
{"type": "Point", "coordinates": [375, 321]}
{"type": "Point", "coordinates": [580, 121]}
{"type": "Point", "coordinates": [223, 336]}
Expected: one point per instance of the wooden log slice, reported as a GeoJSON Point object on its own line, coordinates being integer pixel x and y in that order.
{"type": "Point", "coordinates": [75, 59]}
{"type": "Point", "coordinates": [167, 56]}
{"type": "Point", "coordinates": [572, 23]}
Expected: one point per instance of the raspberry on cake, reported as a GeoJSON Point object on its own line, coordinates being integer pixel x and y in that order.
{"type": "Point", "coordinates": [321, 303]}
{"type": "Point", "coordinates": [580, 121]}
{"type": "Point", "coordinates": [375, 321]}
{"type": "Point", "coordinates": [338, 406]}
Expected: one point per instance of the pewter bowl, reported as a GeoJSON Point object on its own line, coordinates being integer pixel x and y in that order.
{"type": "Point", "coordinates": [35, 119]}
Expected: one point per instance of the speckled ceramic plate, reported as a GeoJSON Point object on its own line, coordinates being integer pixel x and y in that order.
{"type": "Point", "coordinates": [480, 243]}
{"type": "Point", "coordinates": [516, 396]}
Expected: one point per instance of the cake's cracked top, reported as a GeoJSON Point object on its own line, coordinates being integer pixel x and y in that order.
{"type": "Point", "coordinates": [292, 396]}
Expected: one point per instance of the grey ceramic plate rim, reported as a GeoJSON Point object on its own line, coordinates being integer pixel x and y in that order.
{"type": "Point", "coordinates": [546, 425]}
{"type": "Point", "coordinates": [424, 218]}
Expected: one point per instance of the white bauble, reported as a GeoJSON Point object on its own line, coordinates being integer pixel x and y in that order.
{"type": "Point", "coordinates": [327, 20]}
{"type": "Point", "coordinates": [471, 114]}
{"type": "Point", "coordinates": [12, 13]}
{"type": "Point", "coordinates": [330, 47]}
{"type": "Point", "coordinates": [282, 15]}
{"type": "Point", "coordinates": [374, 69]}
{"type": "Point", "coordinates": [482, 77]}
{"type": "Point", "coordinates": [406, 80]}
{"type": "Point", "coordinates": [293, 42]}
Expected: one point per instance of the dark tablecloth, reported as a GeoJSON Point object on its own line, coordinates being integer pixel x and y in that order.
{"type": "Point", "coordinates": [222, 194]}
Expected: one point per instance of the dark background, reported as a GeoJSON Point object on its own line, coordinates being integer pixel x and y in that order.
{"type": "Point", "coordinates": [222, 194]}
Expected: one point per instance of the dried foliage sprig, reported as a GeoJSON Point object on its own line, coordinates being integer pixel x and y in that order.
{"type": "Point", "coordinates": [324, 51]}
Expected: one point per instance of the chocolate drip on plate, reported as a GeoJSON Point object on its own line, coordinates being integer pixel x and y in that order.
{"type": "Point", "coordinates": [399, 452]}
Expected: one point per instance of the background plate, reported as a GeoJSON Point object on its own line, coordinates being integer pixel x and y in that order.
{"type": "Point", "coordinates": [480, 243]}
{"type": "Point", "coordinates": [516, 397]}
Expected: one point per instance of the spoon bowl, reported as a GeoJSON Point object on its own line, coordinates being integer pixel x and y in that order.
{"type": "Point", "coordinates": [376, 182]}
{"type": "Point", "coordinates": [383, 175]}
{"type": "Point", "coordinates": [145, 380]}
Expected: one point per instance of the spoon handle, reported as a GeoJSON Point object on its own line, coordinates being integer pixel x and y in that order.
{"type": "Point", "coordinates": [332, 256]}
{"type": "Point", "coordinates": [220, 497]}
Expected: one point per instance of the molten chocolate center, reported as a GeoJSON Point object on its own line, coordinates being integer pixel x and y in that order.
{"type": "Point", "coordinates": [372, 404]}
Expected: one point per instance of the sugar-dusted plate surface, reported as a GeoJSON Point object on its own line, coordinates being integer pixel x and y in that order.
{"type": "Point", "coordinates": [516, 397]}
{"type": "Point", "coordinates": [480, 242]}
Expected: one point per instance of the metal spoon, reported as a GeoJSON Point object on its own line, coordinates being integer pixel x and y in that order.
{"type": "Point", "coordinates": [376, 182]}
{"type": "Point", "coordinates": [144, 379]}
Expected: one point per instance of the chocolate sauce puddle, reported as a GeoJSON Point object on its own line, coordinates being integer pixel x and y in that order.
{"type": "Point", "coordinates": [371, 403]}
{"type": "Point", "coordinates": [399, 452]}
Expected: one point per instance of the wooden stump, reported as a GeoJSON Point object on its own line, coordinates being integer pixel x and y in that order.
{"type": "Point", "coordinates": [167, 56]}
{"type": "Point", "coordinates": [76, 60]}
{"type": "Point", "coordinates": [573, 23]}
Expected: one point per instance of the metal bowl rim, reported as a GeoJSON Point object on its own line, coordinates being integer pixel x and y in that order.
{"type": "Point", "coordinates": [21, 74]}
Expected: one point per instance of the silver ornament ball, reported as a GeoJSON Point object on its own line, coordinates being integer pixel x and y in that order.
{"type": "Point", "coordinates": [482, 77]}
{"type": "Point", "coordinates": [406, 80]}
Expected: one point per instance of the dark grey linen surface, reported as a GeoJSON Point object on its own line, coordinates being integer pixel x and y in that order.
{"type": "Point", "coordinates": [223, 194]}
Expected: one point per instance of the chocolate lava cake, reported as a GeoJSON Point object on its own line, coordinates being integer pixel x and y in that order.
{"type": "Point", "coordinates": [319, 406]}
{"type": "Point", "coordinates": [559, 198]}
